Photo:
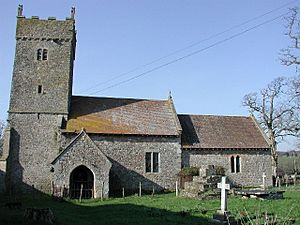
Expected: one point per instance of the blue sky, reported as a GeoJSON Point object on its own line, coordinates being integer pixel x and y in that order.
{"type": "Point", "coordinates": [114, 37]}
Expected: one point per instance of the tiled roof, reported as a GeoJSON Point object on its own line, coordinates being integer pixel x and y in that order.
{"type": "Point", "coordinates": [122, 116]}
{"type": "Point", "coordinates": [231, 132]}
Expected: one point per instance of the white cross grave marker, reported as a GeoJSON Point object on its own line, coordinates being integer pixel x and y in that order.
{"type": "Point", "coordinates": [264, 180]}
{"type": "Point", "coordinates": [224, 187]}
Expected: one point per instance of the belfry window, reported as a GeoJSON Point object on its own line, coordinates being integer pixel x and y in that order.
{"type": "Point", "coordinates": [235, 164]}
{"type": "Point", "coordinates": [152, 162]}
{"type": "Point", "coordinates": [39, 54]}
{"type": "Point", "coordinates": [42, 54]}
{"type": "Point", "coordinates": [45, 54]}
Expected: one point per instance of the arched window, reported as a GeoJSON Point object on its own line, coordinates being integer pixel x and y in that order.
{"type": "Point", "coordinates": [42, 54]}
{"type": "Point", "coordinates": [39, 54]}
{"type": "Point", "coordinates": [45, 54]}
{"type": "Point", "coordinates": [237, 164]}
{"type": "Point", "coordinates": [232, 164]}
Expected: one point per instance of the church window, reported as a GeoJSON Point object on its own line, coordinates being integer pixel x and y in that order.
{"type": "Point", "coordinates": [40, 89]}
{"type": "Point", "coordinates": [235, 164]}
{"type": "Point", "coordinates": [232, 164]}
{"type": "Point", "coordinates": [152, 162]}
{"type": "Point", "coordinates": [42, 54]}
{"type": "Point", "coordinates": [148, 162]}
{"type": "Point", "coordinates": [39, 54]}
{"type": "Point", "coordinates": [45, 54]}
{"type": "Point", "coordinates": [155, 162]}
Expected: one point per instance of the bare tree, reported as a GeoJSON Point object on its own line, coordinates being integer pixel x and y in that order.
{"type": "Point", "coordinates": [295, 90]}
{"type": "Point", "coordinates": [290, 55]}
{"type": "Point", "coordinates": [276, 111]}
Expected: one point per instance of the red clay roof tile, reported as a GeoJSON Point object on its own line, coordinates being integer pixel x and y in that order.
{"type": "Point", "coordinates": [121, 116]}
{"type": "Point", "coordinates": [203, 131]}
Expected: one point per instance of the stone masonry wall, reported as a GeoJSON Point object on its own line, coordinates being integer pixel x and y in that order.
{"type": "Point", "coordinates": [3, 159]}
{"type": "Point", "coordinates": [33, 148]}
{"type": "Point", "coordinates": [253, 164]}
{"type": "Point", "coordinates": [35, 117]}
{"type": "Point", "coordinates": [83, 152]}
{"type": "Point", "coordinates": [127, 155]}
{"type": "Point", "coordinates": [2, 176]}
{"type": "Point", "coordinates": [54, 74]}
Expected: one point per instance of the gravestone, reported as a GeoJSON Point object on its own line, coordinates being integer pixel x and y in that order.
{"type": "Point", "coordinates": [224, 188]}
{"type": "Point", "coordinates": [223, 215]}
{"type": "Point", "coordinates": [264, 181]}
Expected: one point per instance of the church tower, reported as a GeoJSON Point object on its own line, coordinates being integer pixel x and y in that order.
{"type": "Point", "coordinates": [40, 97]}
{"type": "Point", "coordinates": [43, 68]}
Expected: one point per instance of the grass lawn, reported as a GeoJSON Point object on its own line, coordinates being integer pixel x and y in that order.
{"type": "Point", "coordinates": [159, 209]}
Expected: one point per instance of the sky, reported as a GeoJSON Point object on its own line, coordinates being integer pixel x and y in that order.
{"type": "Point", "coordinates": [165, 46]}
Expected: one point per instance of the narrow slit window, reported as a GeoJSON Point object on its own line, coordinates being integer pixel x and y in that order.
{"type": "Point", "coordinates": [40, 89]}
{"type": "Point", "coordinates": [45, 54]}
{"type": "Point", "coordinates": [237, 164]}
{"type": "Point", "coordinates": [155, 162]}
{"type": "Point", "coordinates": [148, 162]}
{"type": "Point", "coordinates": [232, 164]}
{"type": "Point", "coordinates": [39, 54]}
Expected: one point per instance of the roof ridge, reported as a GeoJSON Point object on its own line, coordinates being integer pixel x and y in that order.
{"type": "Point", "coordinates": [210, 115]}
{"type": "Point", "coordinates": [126, 98]}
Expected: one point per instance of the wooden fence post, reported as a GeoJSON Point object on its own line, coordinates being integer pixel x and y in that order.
{"type": "Point", "coordinates": [81, 189]}
{"type": "Point", "coordinates": [140, 190]}
{"type": "Point", "coordinates": [102, 190]}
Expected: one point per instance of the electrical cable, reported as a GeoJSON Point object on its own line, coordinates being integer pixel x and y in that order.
{"type": "Point", "coordinates": [190, 54]}
{"type": "Point", "coordinates": [189, 46]}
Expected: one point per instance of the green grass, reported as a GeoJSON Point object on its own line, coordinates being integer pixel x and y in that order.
{"type": "Point", "coordinates": [159, 209]}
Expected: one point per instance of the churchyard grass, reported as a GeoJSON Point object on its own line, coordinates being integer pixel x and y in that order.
{"type": "Point", "coordinates": [158, 209]}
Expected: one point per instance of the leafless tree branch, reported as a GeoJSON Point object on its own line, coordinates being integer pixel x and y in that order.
{"type": "Point", "coordinates": [277, 109]}
{"type": "Point", "coordinates": [289, 56]}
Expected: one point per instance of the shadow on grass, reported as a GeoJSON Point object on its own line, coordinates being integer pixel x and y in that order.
{"type": "Point", "coordinates": [112, 211]}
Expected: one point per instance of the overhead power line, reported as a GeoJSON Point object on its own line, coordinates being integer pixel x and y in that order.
{"type": "Point", "coordinates": [190, 54]}
{"type": "Point", "coordinates": [190, 46]}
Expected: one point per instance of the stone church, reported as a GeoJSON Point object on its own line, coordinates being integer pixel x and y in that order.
{"type": "Point", "coordinates": [101, 145]}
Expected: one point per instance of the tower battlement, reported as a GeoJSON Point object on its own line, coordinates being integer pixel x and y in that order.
{"type": "Point", "coordinates": [35, 28]}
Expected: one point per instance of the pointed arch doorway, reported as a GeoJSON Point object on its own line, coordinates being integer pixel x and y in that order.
{"type": "Point", "coordinates": [82, 183]}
